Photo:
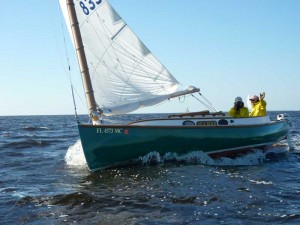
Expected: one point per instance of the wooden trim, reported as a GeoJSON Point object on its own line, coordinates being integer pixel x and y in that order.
{"type": "Point", "coordinates": [201, 113]}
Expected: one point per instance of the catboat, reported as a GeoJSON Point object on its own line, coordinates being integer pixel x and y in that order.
{"type": "Point", "coordinates": [121, 75]}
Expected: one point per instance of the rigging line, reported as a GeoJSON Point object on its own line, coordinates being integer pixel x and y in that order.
{"type": "Point", "coordinates": [57, 42]}
{"type": "Point", "coordinates": [56, 39]}
{"type": "Point", "coordinates": [69, 67]}
{"type": "Point", "coordinates": [78, 95]}
{"type": "Point", "coordinates": [206, 105]}
{"type": "Point", "coordinates": [65, 47]}
{"type": "Point", "coordinates": [75, 109]}
{"type": "Point", "coordinates": [208, 102]}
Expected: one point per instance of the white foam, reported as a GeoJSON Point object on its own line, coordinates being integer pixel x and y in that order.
{"type": "Point", "coordinates": [75, 155]}
{"type": "Point", "coordinates": [254, 158]}
{"type": "Point", "coordinates": [261, 182]}
{"type": "Point", "coordinates": [151, 157]}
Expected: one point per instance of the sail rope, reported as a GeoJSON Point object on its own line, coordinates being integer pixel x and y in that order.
{"type": "Point", "coordinates": [206, 103]}
{"type": "Point", "coordinates": [69, 68]}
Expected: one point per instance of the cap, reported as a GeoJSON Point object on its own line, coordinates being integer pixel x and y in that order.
{"type": "Point", "coordinates": [238, 99]}
{"type": "Point", "coordinates": [254, 97]}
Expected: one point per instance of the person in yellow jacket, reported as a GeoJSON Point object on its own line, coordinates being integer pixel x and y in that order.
{"type": "Point", "coordinates": [258, 105]}
{"type": "Point", "coordinates": [238, 110]}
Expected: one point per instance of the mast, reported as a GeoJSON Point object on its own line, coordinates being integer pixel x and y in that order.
{"type": "Point", "coordinates": [89, 92]}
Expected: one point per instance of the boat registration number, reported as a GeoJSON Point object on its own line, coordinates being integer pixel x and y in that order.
{"type": "Point", "coordinates": [206, 123]}
{"type": "Point", "coordinates": [110, 131]}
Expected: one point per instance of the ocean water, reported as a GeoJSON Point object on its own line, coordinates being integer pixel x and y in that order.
{"type": "Point", "coordinates": [45, 180]}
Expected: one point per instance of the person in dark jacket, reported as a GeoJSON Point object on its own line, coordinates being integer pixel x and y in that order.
{"type": "Point", "coordinates": [238, 110]}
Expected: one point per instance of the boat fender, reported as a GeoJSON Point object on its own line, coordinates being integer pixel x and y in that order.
{"type": "Point", "coordinates": [280, 117]}
{"type": "Point", "coordinates": [285, 116]}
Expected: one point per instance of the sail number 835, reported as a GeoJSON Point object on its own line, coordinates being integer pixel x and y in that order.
{"type": "Point", "coordinates": [91, 5]}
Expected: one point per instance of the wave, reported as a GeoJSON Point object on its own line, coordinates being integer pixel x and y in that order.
{"type": "Point", "coordinates": [27, 144]}
{"type": "Point", "coordinates": [37, 201]}
{"type": "Point", "coordinates": [35, 128]}
{"type": "Point", "coordinates": [6, 134]}
{"type": "Point", "coordinates": [295, 132]}
{"type": "Point", "coordinates": [75, 157]}
{"type": "Point", "coordinates": [198, 157]}
{"type": "Point", "coordinates": [71, 199]}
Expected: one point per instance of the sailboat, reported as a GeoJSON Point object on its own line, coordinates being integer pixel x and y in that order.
{"type": "Point", "coordinates": [120, 75]}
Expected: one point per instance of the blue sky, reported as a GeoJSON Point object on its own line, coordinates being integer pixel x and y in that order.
{"type": "Point", "coordinates": [226, 48]}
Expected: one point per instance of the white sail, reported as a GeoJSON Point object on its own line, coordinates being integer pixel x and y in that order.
{"type": "Point", "coordinates": [125, 75]}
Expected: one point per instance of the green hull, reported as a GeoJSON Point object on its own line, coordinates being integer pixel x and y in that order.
{"type": "Point", "coordinates": [109, 145]}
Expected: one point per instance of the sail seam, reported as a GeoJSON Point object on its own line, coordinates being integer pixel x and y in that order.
{"type": "Point", "coordinates": [122, 28]}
